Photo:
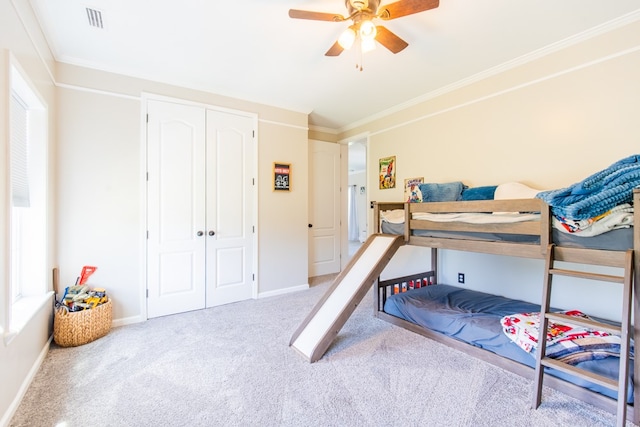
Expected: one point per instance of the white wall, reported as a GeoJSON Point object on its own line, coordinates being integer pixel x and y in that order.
{"type": "Point", "coordinates": [548, 123]}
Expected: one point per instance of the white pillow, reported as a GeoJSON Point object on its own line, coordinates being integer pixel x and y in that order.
{"type": "Point", "coordinates": [515, 190]}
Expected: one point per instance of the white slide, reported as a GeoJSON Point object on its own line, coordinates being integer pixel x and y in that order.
{"type": "Point", "coordinates": [319, 329]}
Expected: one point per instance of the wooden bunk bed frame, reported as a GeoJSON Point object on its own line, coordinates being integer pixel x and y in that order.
{"type": "Point", "coordinates": [541, 228]}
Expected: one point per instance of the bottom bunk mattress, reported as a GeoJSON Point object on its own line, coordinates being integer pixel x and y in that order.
{"type": "Point", "coordinates": [474, 317]}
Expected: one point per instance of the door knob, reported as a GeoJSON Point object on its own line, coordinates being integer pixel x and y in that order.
{"type": "Point", "coordinates": [200, 233]}
{"type": "Point", "coordinates": [310, 225]}
{"type": "Point", "coordinates": [212, 233]}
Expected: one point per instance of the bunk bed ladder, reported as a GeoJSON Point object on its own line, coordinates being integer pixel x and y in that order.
{"type": "Point", "coordinates": [622, 260]}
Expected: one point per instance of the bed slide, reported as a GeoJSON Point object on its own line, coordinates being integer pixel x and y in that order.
{"type": "Point", "coordinates": [319, 329]}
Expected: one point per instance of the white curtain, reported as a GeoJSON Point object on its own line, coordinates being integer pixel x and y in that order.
{"type": "Point", "coordinates": [353, 214]}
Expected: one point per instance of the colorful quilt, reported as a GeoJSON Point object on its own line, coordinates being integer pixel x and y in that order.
{"type": "Point", "coordinates": [620, 216]}
{"type": "Point", "coordinates": [567, 343]}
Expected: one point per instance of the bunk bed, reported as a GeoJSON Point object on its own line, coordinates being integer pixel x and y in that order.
{"type": "Point", "coordinates": [527, 232]}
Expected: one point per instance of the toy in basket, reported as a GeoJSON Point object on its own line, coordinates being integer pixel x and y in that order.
{"type": "Point", "coordinates": [83, 314]}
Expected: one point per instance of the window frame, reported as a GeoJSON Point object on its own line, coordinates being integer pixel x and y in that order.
{"type": "Point", "coordinates": [21, 306]}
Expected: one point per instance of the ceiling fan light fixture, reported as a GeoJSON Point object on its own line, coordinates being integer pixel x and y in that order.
{"type": "Point", "coordinates": [347, 38]}
{"type": "Point", "coordinates": [367, 45]}
{"type": "Point", "coordinates": [361, 13]}
{"type": "Point", "coordinates": [367, 30]}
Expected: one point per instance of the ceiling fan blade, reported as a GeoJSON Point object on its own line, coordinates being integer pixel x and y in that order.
{"type": "Point", "coordinates": [315, 16]}
{"type": "Point", "coordinates": [406, 7]}
{"type": "Point", "coordinates": [334, 50]}
{"type": "Point", "coordinates": [389, 40]}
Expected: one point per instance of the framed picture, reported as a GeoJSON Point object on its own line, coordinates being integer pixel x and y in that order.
{"type": "Point", "coordinates": [388, 172]}
{"type": "Point", "coordinates": [412, 193]}
{"type": "Point", "coordinates": [281, 176]}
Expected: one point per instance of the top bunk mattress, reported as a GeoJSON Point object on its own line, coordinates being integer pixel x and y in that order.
{"type": "Point", "coordinates": [615, 240]}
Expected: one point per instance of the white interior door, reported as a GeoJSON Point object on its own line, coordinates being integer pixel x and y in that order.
{"type": "Point", "coordinates": [230, 213]}
{"type": "Point", "coordinates": [176, 208]}
{"type": "Point", "coordinates": [201, 213]}
{"type": "Point", "coordinates": [324, 209]}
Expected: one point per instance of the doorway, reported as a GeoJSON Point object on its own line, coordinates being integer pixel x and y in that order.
{"type": "Point", "coordinates": [357, 195]}
{"type": "Point", "coordinates": [324, 208]}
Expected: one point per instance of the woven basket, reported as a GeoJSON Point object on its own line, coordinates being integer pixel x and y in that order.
{"type": "Point", "coordinates": [71, 329]}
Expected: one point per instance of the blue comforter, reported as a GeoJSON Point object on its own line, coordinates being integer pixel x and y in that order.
{"type": "Point", "coordinates": [474, 317]}
{"type": "Point", "coordinates": [598, 193]}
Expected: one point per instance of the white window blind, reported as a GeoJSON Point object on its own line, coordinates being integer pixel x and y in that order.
{"type": "Point", "coordinates": [19, 154]}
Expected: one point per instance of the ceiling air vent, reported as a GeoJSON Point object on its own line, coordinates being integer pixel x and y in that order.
{"type": "Point", "coordinates": [95, 18]}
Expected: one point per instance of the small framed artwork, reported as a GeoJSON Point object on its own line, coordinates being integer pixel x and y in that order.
{"type": "Point", "coordinates": [281, 176]}
{"type": "Point", "coordinates": [387, 172]}
{"type": "Point", "coordinates": [412, 193]}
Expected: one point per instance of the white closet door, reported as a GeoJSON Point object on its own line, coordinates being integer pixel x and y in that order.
{"type": "Point", "coordinates": [230, 225]}
{"type": "Point", "coordinates": [176, 208]}
{"type": "Point", "coordinates": [324, 209]}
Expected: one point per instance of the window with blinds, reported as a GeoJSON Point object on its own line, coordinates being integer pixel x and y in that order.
{"type": "Point", "coordinates": [27, 164]}
{"type": "Point", "coordinates": [19, 155]}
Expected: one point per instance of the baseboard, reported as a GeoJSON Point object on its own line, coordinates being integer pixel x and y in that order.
{"type": "Point", "coordinates": [137, 319]}
{"type": "Point", "coordinates": [283, 291]}
{"type": "Point", "coordinates": [127, 321]}
{"type": "Point", "coordinates": [6, 418]}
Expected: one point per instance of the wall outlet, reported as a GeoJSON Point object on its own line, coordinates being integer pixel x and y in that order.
{"type": "Point", "coordinates": [460, 277]}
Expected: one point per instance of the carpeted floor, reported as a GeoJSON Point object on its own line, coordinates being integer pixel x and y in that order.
{"type": "Point", "coordinates": [232, 366]}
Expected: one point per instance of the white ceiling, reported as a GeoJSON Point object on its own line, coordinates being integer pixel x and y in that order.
{"type": "Point", "coordinates": [252, 50]}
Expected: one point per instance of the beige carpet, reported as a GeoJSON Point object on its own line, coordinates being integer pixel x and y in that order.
{"type": "Point", "coordinates": [232, 366]}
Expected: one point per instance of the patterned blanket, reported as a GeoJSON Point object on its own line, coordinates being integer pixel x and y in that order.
{"type": "Point", "coordinates": [566, 343]}
{"type": "Point", "coordinates": [619, 217]}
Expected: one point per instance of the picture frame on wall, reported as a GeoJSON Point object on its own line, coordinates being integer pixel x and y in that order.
{"type": "Point", "coordinates": [281, 176]}
{"type": "Point", "coordinates": [387, 172]}
{"type": "Point", "coordinates": [412, 193]}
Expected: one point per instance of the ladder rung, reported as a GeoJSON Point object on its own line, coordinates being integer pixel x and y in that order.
{"type": "Point", "coordinates": [586, 275]}
{"type": "Point", "coordinates": [573, 320]}
{"type": "Point", "coordinates": [620, 260]}
{"type": "Point", "coordinates": [581, 373]}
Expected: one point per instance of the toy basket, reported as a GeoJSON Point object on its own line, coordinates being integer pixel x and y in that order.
{"type": "Point", "coordinates": [72, 329]}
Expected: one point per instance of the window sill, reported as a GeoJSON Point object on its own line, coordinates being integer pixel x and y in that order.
{"type": "Point", "coordinates": [23, 311]}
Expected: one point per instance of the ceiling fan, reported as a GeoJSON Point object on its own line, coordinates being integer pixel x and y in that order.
{"type": "Point", "coordinates": [362, 13]}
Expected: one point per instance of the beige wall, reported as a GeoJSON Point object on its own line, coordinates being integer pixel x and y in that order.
{"type": "Point", "coordinates": [322, 134]}
{"type": "Point", "coordinates": [548, 123]}
{"type": "Point", "coordinates": [20, 357]}
{"type": "Point", "coordinates": [283, 237]}
{"type": "Point", "coordinates": [99, 206]}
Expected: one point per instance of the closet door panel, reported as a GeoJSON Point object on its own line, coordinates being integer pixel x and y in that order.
{"type": "Point", "coordinates": [230, 191]}
{"type": "Point", "coordinates": [230, 188]}
{"type": "Point", "coordinates": [176, 208]}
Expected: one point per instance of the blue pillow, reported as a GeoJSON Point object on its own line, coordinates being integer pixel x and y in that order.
{"type": "Point", "coordinates": [449, 192]}
{"type": "Point", "coordinates": [479, 193]}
